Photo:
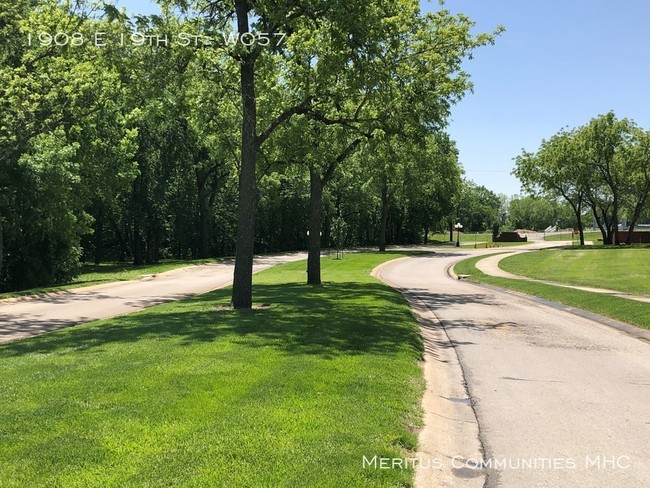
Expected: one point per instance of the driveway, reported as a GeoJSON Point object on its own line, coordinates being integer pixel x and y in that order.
{"type": "Point", "coordinates": [30, 316]}
{"type": "Point", "coordinates": [521, 394]}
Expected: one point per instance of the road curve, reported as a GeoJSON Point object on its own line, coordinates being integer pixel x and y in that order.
{"type": "Point", "coordinates": [559, 400]}
{"type": "Point", "coordinates": [35, 315]}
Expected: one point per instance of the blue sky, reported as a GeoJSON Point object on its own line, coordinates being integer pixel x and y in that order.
{"type": "Point", "coordinates": [559, 63]}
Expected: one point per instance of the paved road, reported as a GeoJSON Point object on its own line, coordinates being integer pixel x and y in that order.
{"type": "Point", "coordinates": [29, 316]}
{"type": "Point", "coordinates": [555, 399]}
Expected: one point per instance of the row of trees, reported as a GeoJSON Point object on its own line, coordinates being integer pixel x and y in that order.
{"type": "Point", "coordinates": [538, 213]}
{"type": "Point", "coordinates": [602, 167]}
{"type": "Point", "coordinates": [175, 143]}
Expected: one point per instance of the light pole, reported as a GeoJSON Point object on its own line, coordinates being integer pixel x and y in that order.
{"type": "Point", "coordinates": [458, 226]}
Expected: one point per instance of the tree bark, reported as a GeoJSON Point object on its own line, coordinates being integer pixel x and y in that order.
{"type": "Point", "coordinates": [577, 210]}
{"type": "Point", "coordinates": [615, 240]}
{"type": "Point", "coordinates": [1, 248]}
{"type": "Point", "coordinates": [99, 234]}
{"type": "Point", "coordinates": [204, 234]}
{"type": "Point", "coordinates": [137, 244]}
{"type": "Point", "coordinates": [638, 208]}
{"type": "Point", "coordinates": [581, 230]}
{"type": "Point", "coordinates": [451, 231]}
{"type": "Point", "coordinates": [242, 288]}
{"type": "Point", "coordinates": [315, 210]}
{"type": "Point", "coordinates": [385, 208]}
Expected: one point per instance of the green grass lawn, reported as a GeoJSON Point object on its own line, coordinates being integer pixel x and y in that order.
{"type": "Point", "coordinates": [97, 274]}
{"type": "Point", "coordinates": [193, 393]}
{"type": "Point", "coordinates": [593, 236]}
{"type": "Point", "coordinates": [623, 269]}
{"type": "Point", "coordinates": [632, 312]}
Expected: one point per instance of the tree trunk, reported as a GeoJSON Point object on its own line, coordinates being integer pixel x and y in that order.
{"type": "Point", "coordinates": [99, 234]}
{"type": "Point", "coordinates": [638, 208]}
{"type": "Point", "coordinates": [385, 208]}
{"type": "Point", "coordinates": [315, 209]}
{"type": "Point", "coordinates": [577, 210]}
{"type": "Point", "coordinates": [451, 231]}
{"type": "Point", "coordinates": [599, 223]}
{"type": "Point", "coordinates": [1, 248]}
{"type": "Point", "coordinates": [615, 240]}
{"type": "Point", "coordinates": [581, 230]}
{"type": "Point", "coordinates": [204, 234]}
{"type": "Point", "coordinates": [426, 235]}
{"type": "Point", "coordinates": [137, 244]}
{"type": "Point", "coordinates": [242, 287]}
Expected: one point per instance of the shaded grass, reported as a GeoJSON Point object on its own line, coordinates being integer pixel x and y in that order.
{"type": "Point", "coordinates": [194, 393]}
{"type": "Point", "coordinates": [623, 269]}
{"type": "Point", "coordinates": [97, 274]}
{"type": "Point", "coordinates": [632, 312]}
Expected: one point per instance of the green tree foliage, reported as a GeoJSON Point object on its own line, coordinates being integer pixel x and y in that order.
{"type": "Point", "coordinates": [535, 213]}
{"type": "Point", "coordinates": [478, 209]}
{"type": "Point", "coordinates": [129, 148]}
{"type": "Point", "coordinates": [602, 165]}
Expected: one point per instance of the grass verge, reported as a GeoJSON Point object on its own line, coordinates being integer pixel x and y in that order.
{"type": "Point", "coordinates": [97, 274]}
{"type": "Point", "coordinates": [590, 235]}
{"type": "Point", "coordinates": [632, 312]}
{"type": "Point", "coordinates": [193, 393]}
{"type": "Point", "coordinates": [623, 269]}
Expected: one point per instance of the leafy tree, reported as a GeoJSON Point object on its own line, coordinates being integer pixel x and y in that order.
{"type": "Point", "coordinates": [478, 208]}
{"type": "Point", "coordinates": [558, 168]}
{"type": "Point", "coordinates": [637, 180]}
{"type": "Point", "coordinates": [532, 212]}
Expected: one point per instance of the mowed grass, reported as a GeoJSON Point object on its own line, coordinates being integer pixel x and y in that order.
{"type": "Point", "coordinates": [193, 393]}
{"type": "Point", "coordinates": [622, 309]}
{"type": "Point", "coordinates": [623, 269]}
{"type": "Point", "coordinates": [97, 274]}
{"type": "Point", "coordinates": [590, 235]}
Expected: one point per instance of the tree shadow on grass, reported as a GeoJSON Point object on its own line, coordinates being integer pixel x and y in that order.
{"type": "Point", "coordinates": [337, 318]}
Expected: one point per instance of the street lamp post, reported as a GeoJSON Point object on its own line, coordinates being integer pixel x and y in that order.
{"type": "Point", "coordinates": [458, 226]}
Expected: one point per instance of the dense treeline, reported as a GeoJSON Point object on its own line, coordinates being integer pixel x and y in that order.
{"type": "Point", "coordinates": [601, 168]}
{"type": "Point", "coordinates": [136, 139]}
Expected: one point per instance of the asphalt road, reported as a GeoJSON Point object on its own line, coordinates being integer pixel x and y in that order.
{"type": "Point", "coordinates": [29, 316]}
{"type": "Point", "coordinates": [520, 394]}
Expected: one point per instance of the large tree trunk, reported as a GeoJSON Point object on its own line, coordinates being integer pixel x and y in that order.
{"type": "Point", "coordinates": [1, 247]}
{"type": "Point", "coordinates": [581, 230]}
{"type": "Point", "coordinates": [242, 287]}
{"type": "Point", "coordinates": [315, 210]}
{"type": "Point", "coordinates": [385, 208]}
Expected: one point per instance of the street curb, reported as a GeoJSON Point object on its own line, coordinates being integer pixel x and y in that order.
{"type": "Point", "coordinates": [454, 377]}
{"type": "Point", "coordinates": [629, 329]}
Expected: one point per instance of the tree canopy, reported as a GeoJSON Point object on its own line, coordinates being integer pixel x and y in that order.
{"type": "Point", "coordinates": [219, 128]}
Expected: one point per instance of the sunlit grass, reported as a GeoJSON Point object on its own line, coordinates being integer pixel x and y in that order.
{"type": "Point", "coordinates": [623, 269]}
{"type": "Point", "coordinates": [193, 393]}
{"type": "Point", "coordinates": [630, 311]}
